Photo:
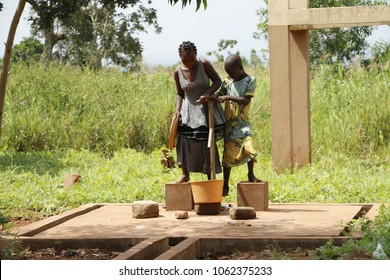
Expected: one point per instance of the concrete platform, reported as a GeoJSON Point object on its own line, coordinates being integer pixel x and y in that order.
{"type": "Point", "coordinates": [288, 224]}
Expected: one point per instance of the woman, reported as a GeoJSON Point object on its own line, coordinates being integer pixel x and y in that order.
{"type": "Point", "coordinates": [193, 92]}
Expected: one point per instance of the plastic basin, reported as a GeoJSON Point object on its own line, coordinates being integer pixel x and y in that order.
{"type": "Point", "coordinates": [209, 191]}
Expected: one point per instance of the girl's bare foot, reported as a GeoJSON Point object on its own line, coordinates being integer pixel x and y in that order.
{"type": "Point", "coordinates": [253, 179]}
{"type": "Point", "coordinates": [183, 179]}
{"type": "Point", "coordinates": [225, 191]}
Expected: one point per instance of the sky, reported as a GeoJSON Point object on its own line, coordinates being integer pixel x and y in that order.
{"type": "Point", "coordinates": [223, 19]}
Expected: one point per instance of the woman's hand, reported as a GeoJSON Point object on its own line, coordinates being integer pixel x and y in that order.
{"type": "Point", "coordinates": [202, 99]}
{"type": "Point", "coordinates": [176, 114]}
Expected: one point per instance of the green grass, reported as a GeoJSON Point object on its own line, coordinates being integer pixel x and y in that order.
{"type": "Point", "coordinates": [30, 181]}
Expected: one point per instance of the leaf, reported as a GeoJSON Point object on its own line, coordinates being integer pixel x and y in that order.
{"type": "Point", "coordinates": [205, 4]}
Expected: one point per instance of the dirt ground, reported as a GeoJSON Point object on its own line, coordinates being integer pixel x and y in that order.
{"type": "Point", "coordinates": [68, 254]}
{"type": "Point", "coordinates": [106, 254]}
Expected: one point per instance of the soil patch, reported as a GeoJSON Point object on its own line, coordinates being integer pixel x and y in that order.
{"type": "Point", "coordinates": [274, 254]}
{"type": "Point", "coordinates": [68, 254]}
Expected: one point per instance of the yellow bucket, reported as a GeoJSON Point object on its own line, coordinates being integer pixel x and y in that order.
{"type": "Point", "coordinates": [209, 191]}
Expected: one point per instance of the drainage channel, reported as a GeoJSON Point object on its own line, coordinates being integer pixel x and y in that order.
{"type": "Point", "coordinates": [176, 248]}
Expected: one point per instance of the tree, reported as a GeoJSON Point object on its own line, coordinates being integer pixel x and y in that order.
{"type": "Point", "coordinates": [223, 46]}
{"type": "Point", "coordinates": [80, 27]}
{"type": "Point", "coordinates": [99, 31]}
{"type": "Point", "coordinates": [1, 7]}
{"type": "Point", "coordinates": [339, 44]}
{"type": "Point", "coordinates": [381, 52]}
{"type": "Point", "coordinates": [46, 13]}
{"type": "Point", "coordinates": [28, 50]}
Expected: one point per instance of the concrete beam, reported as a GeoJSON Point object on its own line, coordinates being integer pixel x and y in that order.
{"type": "Point", "coordinates": [289, 21]}
{"type": "Point", "coordinates": [146, 250]}
{"type": "Point", "coordinates": [189, 249]}
{"type": "Point", "coordinates": [320, 18]}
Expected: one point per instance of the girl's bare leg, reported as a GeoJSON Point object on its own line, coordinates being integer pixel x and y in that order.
{"type": "Point", "coordinates": [251, 176]}
{"type": "Point", "coordinates": [226, 176]}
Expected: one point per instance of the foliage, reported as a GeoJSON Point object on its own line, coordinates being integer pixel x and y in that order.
{"type": "Point", "coordinates": [28, 50]}
{"type": "Point", "coordinates": [9, 242]}
{"type": "Point", "coordinates": [185, 2]}
{"type": "Point", "coordinates": [375, 242]}
{"type": "Point", "coordinates": [380, 51]}
{"type": "Point", "coordinates": [256, 60]}
{"type": "Point", "coordinates": [47, 14]}
{"type": "Point", "coordinates": [101, 32]}
{"type": "Point", "coordinates": [1, 7]}
{"type": "Point", "coordinates": [329, 45]}
{"type": "Point", "coordinates": [223, 46]}
{"type": "Point", "coordinates": [87, 31]}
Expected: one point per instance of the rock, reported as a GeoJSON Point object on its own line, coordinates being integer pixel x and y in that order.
{"type": "Point", "coordinates": [70, 180]}
{"type": "Point", "coordinates": [266, 254]}
{"type": "Point", "coordinates": [207, 208]}
{"type": "Point", "coordinates": [242, 213]}
{"type": "Point", "coordinates": [181, 215]}
{"type": "Point", "coordinates": [145, 209]}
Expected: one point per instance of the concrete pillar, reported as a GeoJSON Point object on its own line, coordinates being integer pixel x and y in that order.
{"type": "Point", "coordinates": [290, 90]}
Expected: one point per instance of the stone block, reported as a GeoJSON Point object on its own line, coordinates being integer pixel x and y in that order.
{"type": "Point", "coordinates": [145, 209]}
{"type": "Point", "coordinates": [181, 215]}
{"type": "Point", "coordinates": [178, 196]}
{"type": "Point", "coordinates": [242, 213]}
{"type": "Point", "coordinates": [208, 208]}
{"type": "Point", "coordinates": [253, 195]}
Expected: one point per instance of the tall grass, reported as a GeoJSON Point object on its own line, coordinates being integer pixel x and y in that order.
{"type": "Point", "coordinates": [49, 108]}
{"type": "Point", "coordinates": [350, 110]}
{"type": "Point", "coordinates": [54, 107]}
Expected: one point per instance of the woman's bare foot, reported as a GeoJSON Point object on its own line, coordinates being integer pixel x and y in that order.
{"type": "Point", "coordinates": [183, 179]}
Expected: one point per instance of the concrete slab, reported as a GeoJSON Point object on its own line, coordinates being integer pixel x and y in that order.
{"type": "Point", "coordinates": [111, 226]}
{"type": "Point", "coordinates": [115, 221]}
